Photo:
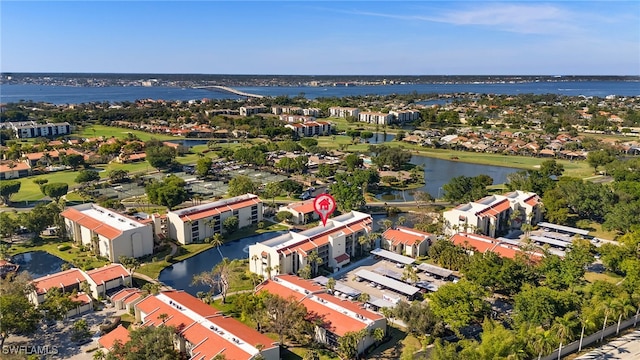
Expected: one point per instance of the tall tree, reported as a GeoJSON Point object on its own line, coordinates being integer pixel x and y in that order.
{"type": "Point", "coordinates": [17, 314]}
{"type": "Point", "coordinates": [285, 316]}
{"type": "Point", "coordinates": [459, 304]}
{"type": "Point", "coordinates": [241, 185]}
{"type": "Point", "coordinates": [8, 188]}
{"type": "Point", "coordinates": [146, 342]}
{"type": "Point", "coordinates": [218, 279]}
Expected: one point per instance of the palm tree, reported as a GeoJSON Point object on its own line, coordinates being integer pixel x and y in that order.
{"type": "Point", "coordinates": [163, 317]}
{"type": "Point", "coordinates": [378, 334]}
{"type": "Point", "coordinates": [217, 240]}
{"type": "Point", "coordinates": [331, 284]}
{"type": "Point", "coordinates": [314, 260]}
{"type": "Point", "coordinates": [255, 259]}
{"type": "Point", "coordinates": [587, 321]}
{"type": "Point", "coordinates": [606, 307]}
{"type": "Point", "coordinates": [401, 220]}
{"type": "Point", "coordinates": [543, 341]}
{"type": "Point", "coordinates": [622, 307]}
{"type": "Point", "coordinates": [268, 269]}
{"type": "Point", "coordinates": [363, 240]}
{"type": "Point", "coordinates": [564, 329]}
{"type": "Point", "coordinates": [364, 297]}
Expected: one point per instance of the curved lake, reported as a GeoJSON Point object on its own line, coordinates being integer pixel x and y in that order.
{"type": "Point", "coordinates": [180, 274]}
{"type": "Point", "coordinates": [38, 263]}
{"type": "Point", "coordinates": [438, 172]}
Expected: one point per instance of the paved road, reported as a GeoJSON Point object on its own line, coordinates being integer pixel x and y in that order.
{"type": "Point", "coordinates": [626, 347]}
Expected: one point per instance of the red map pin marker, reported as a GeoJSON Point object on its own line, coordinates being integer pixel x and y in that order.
{"type": "Point", "coordinates": [324, 205]}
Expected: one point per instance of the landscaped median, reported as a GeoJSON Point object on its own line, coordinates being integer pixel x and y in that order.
{"type": "Point", "coordinates": [153, 268]}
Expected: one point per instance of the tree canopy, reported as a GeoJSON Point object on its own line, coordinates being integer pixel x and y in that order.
{"type": "Point", "coordinates": [169, 192]}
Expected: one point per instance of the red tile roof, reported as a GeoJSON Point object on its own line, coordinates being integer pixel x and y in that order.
{"type": "Point", "coordinates": [205, 213]}
{"type": "Point", "coordinates": [81, 297]}
{"type": "Point", "coordinates": [304, 207]}
{"type": "Point", "coordinates": [484, 244]}
{"type": "Point", "coordinates": [60, 279]}
{"type": "Point", "coordinates": [406, 236]}
{"type": "Point", "coordinates": [17, 166]}
{"type": "Point", "coordinates": [108, 273]}
{"type": "Point", "coordinates": [108, 340]}
{"type": "Point", "coordinates": [533, 200]}
{"type": "Point", "coordinates": [334, 320]}
{"type": "Point", "coordinates": [124, 294]}
{"type": "Point", "coordinates": [495, 209]}
{"type": "Point", "coordinates": [90, 223]}
{"type": "Point", "coordinates": [205, 341]}
{"type": "Point", "coordinates": [341, 258]}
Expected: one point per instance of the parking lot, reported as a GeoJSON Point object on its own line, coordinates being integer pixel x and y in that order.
{"type": "Point", "coordinates": [349, 278]}
{"type": "Point", "coordinates": [54, 342]}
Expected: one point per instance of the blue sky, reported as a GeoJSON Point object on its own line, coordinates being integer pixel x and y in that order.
{"type": "Point", "coordinates": [322, 37]}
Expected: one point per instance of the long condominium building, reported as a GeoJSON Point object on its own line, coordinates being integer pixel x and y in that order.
{"type": "Point", "coordinates": [334, 317]}
{"type": "Point", "coordinates": [335, 243]}
{"type": "Point", "coordinates": [202, 331]}
{"type": "Point", "coordinates": [196, 223]}
{"type": "Point", "coordinates": [32, 129]}
{"type": "Point", "coordinates": [495, 214]}
{"type": "Point", "coordinates": [109, 233]}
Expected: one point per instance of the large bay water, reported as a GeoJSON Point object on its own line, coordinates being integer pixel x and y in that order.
{"type": "Point", "coordinates": [179, 275]}
{"type": "Point", "coordinates": [76, 95]}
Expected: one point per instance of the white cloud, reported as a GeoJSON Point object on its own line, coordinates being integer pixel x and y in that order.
{"type": "Point", "coordinates": [517, 18]}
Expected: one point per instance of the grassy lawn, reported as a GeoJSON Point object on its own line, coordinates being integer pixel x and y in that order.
{"type": "Point", "coordinates": [596, 230]}
{"type": "Point", "coordinates": [126, 320]}
{"type": "Point", "coordinates": [393, 348]}
{"type": "Point", "coordinates": [109, 131]}
{"type": "Point", "coordinates": [606, 276]}
{"type": "Point", "coordinates": [81, 259]}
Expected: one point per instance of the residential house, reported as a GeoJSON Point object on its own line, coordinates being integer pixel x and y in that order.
{"type": "Point", "coordinates": [108, 279]}
{"type": "Point", "coordinates": [69, 282]}
{"type": "Point", "coordinates": [14, 170]}
{"type": "Point", "coordinates": [303, 212]}
{"type": "Point", "coordinates": [407, 241]}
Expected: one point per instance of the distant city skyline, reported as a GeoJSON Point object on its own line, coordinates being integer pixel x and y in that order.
{"type": "Point", "coordinates": [322, 37]}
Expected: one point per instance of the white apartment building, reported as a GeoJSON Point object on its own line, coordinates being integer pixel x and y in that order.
{"type": "Point", "coordinates": [335, 243]}
{"type": "Point", "coordinates": [196, 223]}
{"type": "Point", "coordinates": [402, 116]}
{"type": "Point", "coordinates": [252, 110]}
{"type": "Point", "coordinates": [111, 234]}
{"type": "Point", "coordinates": [310, 128]}
{"type": "Point", "coordinates": [293, 110]}
{"type": "Point", "coordinates": [409, 242]}
{"type": "Point", "coordinates": [343, 112]}
{"type": "Point", "coordinates": [315, 112]}
{"type": "Point", "coordinates": [32, 129]}
{"type": "Point", "coordinates": [495, 214]}
{"type": "Point", "coordinates": [375, 118]}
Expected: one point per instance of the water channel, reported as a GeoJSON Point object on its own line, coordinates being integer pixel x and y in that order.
{"type": "Point", "coordinates": [38, 263]}
{"type": "Point", "coordinates": [179, 275]}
